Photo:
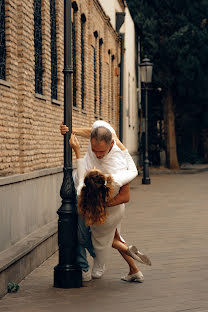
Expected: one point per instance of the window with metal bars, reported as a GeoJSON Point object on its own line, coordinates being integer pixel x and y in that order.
{"type": "Point", "coordinates": [2, 41]}
{"type": "Point", "coordinates": [75, 9]}
{"type": "Point", "coordinates": [129, 100]}
{"type": "Point", "coordinates": [54, 77]}
{"type": "Point", "coordinates": [74, 64]}
{"type": "Point", "coordinates": [112, 89]}
{"type": "Point", "coordinates": [100, 76]}
{"type": "Point", "coordinates": [83, 20]}
{"type": "Point", "coordinates": [38, 47]}
{"type": "Point", "coordinates": [95, 72]}
{"type": "Point", "coordinates": [109, 86]}
{"type": "Point", "coordinates": [95, 82]}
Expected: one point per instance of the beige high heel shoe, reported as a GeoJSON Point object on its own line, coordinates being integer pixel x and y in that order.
{"type": "Point", "coordinates": [136, 277]}
{"type": "Point", "coordinates": [137, 255]}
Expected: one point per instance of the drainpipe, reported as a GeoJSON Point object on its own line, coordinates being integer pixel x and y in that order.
{"type": "Point", "coordinates": [120, 17]}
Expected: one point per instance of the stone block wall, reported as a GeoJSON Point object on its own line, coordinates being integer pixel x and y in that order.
{"type": "Point", "coordinates": [30, 139]}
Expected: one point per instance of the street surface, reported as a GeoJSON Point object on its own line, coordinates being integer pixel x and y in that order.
{"type": "Point", "coordinates": [168, 220]}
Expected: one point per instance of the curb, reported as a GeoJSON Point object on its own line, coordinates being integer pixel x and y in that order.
{"type": "Point", "coordinates": [169, 171]}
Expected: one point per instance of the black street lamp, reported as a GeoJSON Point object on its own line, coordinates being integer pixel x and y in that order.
{"type": "Point", "coordinates": [146, 78]}
{"type": "Point", "coordinates": [67, 274]}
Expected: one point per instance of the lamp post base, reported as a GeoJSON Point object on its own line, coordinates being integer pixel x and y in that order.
{"type": "Point", "coordinates": [146, 180]}
{"type": "Point", "coordinates": [67, 277]}
{"type": "Point", "coordinates": [67, 274]}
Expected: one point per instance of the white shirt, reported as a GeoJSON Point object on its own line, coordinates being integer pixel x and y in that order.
{"type": "Point", "coordinates": [111, 162]}
{"type": "Point", "coordinates": [119, 164]}
{"type": "Point", "coordinates": [120, 178]}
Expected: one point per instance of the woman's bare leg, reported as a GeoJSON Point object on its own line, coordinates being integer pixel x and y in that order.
{"type": "Point", "coordinates": [122, 248]}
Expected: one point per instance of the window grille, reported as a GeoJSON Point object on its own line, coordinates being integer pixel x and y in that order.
{"type": "Point", "coordinates": [74, 61]}
{"type": "Point", "coordinates": [95, 82]}
{"type": "Point", "coordinates": [2, 41]}
{"type": "Point", "coordinates": [83, 19]}
{"type": "Point", "coordinates": [95, 72]}
{"type": "Point", "coordinates": [112, 88]}
{"type": "Point", "coordinates": [54, 77]}
{"type": "Point", "coordinates": [100, 76]}
{"type": "Point", "coordinates": [109, 87]}
{"type": "Point", "coordinates": [38, 47]}
{"type": "Point", "coordinates": [74, 75]}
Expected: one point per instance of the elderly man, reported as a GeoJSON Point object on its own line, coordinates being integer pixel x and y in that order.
{"type": "Point", "coordinates": [105, 154]}
{"type": "Point", "coordinates": [103, 150]}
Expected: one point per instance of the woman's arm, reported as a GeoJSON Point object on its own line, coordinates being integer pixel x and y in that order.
{"type": "Point", "coordinates": [74, 143]}
{"type": "Point", "coordinates": [118, 142]}
{"type": "Point", "coordinates": [78, 175]}
{"type": "Point", "coordinates": [122, 197]}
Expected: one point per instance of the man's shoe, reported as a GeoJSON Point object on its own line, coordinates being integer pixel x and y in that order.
{"type": "Point", "coordinates": [86, 276]}
{"type": "Point", "coordinates": [137, 255]}
{"type": "Point", "coordinates": [137, 277]}
{"type": "Point", "coordinates": [98, 269]}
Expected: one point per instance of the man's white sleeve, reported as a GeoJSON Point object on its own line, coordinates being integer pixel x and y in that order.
{"type": "Point", "coordinates": [126, 176]}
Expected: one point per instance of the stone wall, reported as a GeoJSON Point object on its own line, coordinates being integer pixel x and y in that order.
{"type": "Point", "coordinates": [31, 146]}
{"type": "Point", "coordinates": [29, 122]}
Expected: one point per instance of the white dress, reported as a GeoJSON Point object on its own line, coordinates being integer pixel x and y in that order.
{"type": "Point", "coordinates": [103, 235]}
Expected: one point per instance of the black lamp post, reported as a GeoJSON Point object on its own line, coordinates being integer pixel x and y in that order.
{"type": "Point", "coordinates": [146, 78]}
{"type": "Point", "coordinates": [67, 274]}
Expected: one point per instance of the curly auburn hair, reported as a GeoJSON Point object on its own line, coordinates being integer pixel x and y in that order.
{"type": "Point", "coordinates": [97, 190]}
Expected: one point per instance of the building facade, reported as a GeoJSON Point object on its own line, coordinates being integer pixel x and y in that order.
{"type": "Point", "coordinates": [122, 21]}
{"type": "Point", "coordinates": [31, 111]}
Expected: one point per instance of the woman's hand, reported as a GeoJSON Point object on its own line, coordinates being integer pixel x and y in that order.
{"type": "Point", "coordinates": [74, 143]}
{"type": "Point", "coordinates": [118, 142]}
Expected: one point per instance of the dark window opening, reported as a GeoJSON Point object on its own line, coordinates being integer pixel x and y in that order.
{"type": "Point", "coordinates": [100, 76]}
{"type": "Point", "coordinates": [95, 82]}
{"type": "Point", "coordinates": [2, 41]}
{"type": "Point", "coordinates": [38, 47]}
{"type": "Point", "coordinates": [83, 20]}
{"type": "Point", "coordinates": [54, 74]}
{"type": "Point", "coordinates": [74, 61]}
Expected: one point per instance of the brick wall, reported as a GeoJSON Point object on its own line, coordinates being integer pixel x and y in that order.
{"type": "Point", "coordinates": [29, 122]}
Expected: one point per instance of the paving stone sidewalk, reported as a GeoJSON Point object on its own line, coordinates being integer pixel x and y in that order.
{"type": "Point", "coordinates": [185, 168]}
{"type": "Point", "coordinates": [168, 221]}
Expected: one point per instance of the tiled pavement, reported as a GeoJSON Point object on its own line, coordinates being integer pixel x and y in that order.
{"type": "Point", "coordinates": [168, 220]}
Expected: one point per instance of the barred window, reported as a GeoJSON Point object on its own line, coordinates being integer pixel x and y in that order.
{"type": "Point", "coordinates": [54, 77]}
{"type": "Point", "coordinates": [74, 64]}
{"type": "Point", "coordinates": [2, 41]}
{"type": "Point", "coordinates": [95, 73]}
{"type": "Point", "coordinates": [112, 89]}
{"type": "Point", "coordinates": [129, 101]}
{"type": "Point", "coordinates": [100, 76]}
{"type": "Point", "coordinates": [75, 9]}
{"type": "Point", "coordinates": [38, 47]}
{"type": "Point", "coordinates": [95, 83]}
{"type": "Point", "coordinates": [109, 87]}
{"type": "Point", "coordinates": [83, 20]}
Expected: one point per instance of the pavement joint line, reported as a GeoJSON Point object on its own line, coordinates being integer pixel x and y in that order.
{"type": "Point", "coordinates": [175, 283]}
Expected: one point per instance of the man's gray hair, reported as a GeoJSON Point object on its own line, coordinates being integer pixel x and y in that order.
{"type": "Point", "coordinates": [101, 134]}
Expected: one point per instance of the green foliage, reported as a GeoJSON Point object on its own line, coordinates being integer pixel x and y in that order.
{"type": "Point", "coordinates": [12, 287]}
{"type": "Point", "coordinates": [174, 35]}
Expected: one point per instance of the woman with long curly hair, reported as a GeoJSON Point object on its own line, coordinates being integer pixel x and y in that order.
{"type": "Point", "coordinates": [97, 193]}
